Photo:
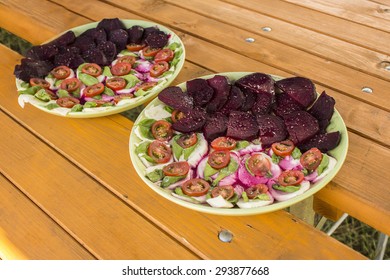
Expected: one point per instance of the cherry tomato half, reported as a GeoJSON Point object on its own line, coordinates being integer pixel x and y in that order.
{"type": "Point", "coordinates": [159, 68]}
{"type": "Point", "coordinates": [71, 84]}
{"type": "Point", "coordinates": [283, 148]}
{"type": "Point", "coordinates": [259, 165]}
{"type": "Point", "coordinates": [290, 178]}
{"type": "Point", "coordinates": [92, 69]}
{"type": "Point", "coordinates": [177, 115]}
{"type": "Point", "coordinates": [127, 59]}
{"type": "Point", "coordinates": [150, 52]}
{"type": "Point", "coordinates": [256, 190]}
{"type": "Point", "coordinates": [311, 159]}
{"type": "Point", "coordinates": [223, 143]}
{"type": "Point", "coordinates": [219, 159]}
{"type": "Point", "coordinates": [164, 55]}
{"type": "Point", "coordinates": [116, 83]}
{"type": "Point", "coordinates": [61, 72]}
{"type": "Point", "coordinates": [146, 86]}
{"type": "Point", "coordinates": [135, 47]}
{"type": "Point", "coordinates": [67, 102]}
{"type": "Point", "coordinates": [162, 130]}
{"type": "Point", "coordinates": [39, 82]}
{"type": "Point", "coordinates": [187, 140]}
{"type": "Point", "coordinates": [94, 90]}
{"type": "Point", "coordinates": [195, 187]}
{"type": "Point", "coordinates": [179, 168]}
{"type": "Point", "coordinates": [226, 192]}
{"type": "Point", "coordinates": [159, 152]}
{"type": "Point", "coordinates": [121, 69]}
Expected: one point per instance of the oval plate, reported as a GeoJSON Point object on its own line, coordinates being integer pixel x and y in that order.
{"type": "Point", "coordinates": [130, 103]}
{"type": "Point", "coordinates": [340, 153]}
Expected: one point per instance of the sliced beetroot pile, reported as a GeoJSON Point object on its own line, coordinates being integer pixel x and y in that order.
{"type": "Point", "coordinates": [193, 121]}
{"type": "Point", "coordinates": [324, 142]}
{"type": "Point", "coordinates": [323, 109]}
{"type": "Point", "coordinates": [235, 100]}
{"type": "Point", "coordinates": [301, 126]}
{"type": "Point", "coordinates": [215, 126]}
{"type": "Point", "coordinates": [221, 87]}
{"type": "Point", "coordinates": [263, 104]}
{"type": "Point", "coordinates": [177, 99]}
{"type": "Point", "coordinates": [286, 105]}
{"type": "Point", "coordinates": [242, 126]}
{"type": "Point", "coordinates": [302, 90]}
{"type": "Point", "coordinates": [271, 129]}
{"type": "Point", "coordinates": [200, 91]}
{"type": "Point", "coordinates": [249, 99]}
{"type": "Point", "coordinates": [109, 24]}
{"type": "Point", "coordinates": [256, 82]}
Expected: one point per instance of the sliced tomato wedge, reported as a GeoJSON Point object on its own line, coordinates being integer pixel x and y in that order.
{"type": "Point", "coordinates": [127, 59]}
{"type": "Point", "coordinates": [227, 192]}
{"type": "Point", "coordinates": [159, 152]}
{"type": "Point", "coordinates": [284, 148]}
{"type": "Point", "coordinates": [177, 115]}
{"type": "Point", "coordinates": [71, 84]}
{"type": "Point", "coordinates": [164, 55]}
{"type": "Point", "coordinates": [61, 72]}
{"type": "Point", "coordinates": [162, 130]}
{"type": "Point", "coordinates": [92, 69]}
{"type": "Point", "coordinates": [187, 140]}
{"type": "Point", "coordinates": [94, 90]}
{"type": "Point", "coordinates": [159, 68]}
{"type": "Point", "coordinates": [195, 187]}
{"type": "Point", "coordinates": [311, 159]}
{"type": "Point", "coordinates": [256, 190]}
{"type": "Point", "coordinates": [135, 47]}
{"type": "Point", "coordinates": [146, 86]}
{"type": "Point", "coordinates": [259, 165]}
{"type": "Point", "coordinates": [290, 178]}
{"type": "Point", "coordinates": [150, 52]}
{"type": "Point", "coordinates": [67, 102]}
{"type": "Point", "coordinates": [179, 168]}
{"type": "Point", "coordinates": [219, 159]}
{"type": "Point", "coordinates": [223, 143]}
{"type": "Point", "coordinates": [39, 82]}
{"type": "Point", "coordinates": [116, 83]}
{"type": "Point", "coordinates": [121, 69]}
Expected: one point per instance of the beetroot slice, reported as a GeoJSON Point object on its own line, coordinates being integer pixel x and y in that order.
{"type": "Point", "coordinates": [286, 105]}
{"type": "Point", "coordinates": [221, 87]}
{"type": "Point", "coordinates": [323, 110]}
{"type": "Point", "coordinates": [324, 142]}
{"type": "Point", "coordinates": [193, 121]}
{"type": "Point", "coordinates": [301, 126]}
{"type": "Point", "coordinates": [119, 37]}
{"type": "Point", "coordinates": [249, 99]}
{"type": "Point", "coordinates": [300, 89]}
{"type": "Point", "coordinates": [177, 99]}
{"type": "Point", "coordinates": [215, 126]}
{"type": "Point", "coordinates": [242, 126]}
{"type": "Point", "coordinates": [256, 82]}
{"type": "Point", "coordinates": [271, 129]}
{"type": "Point", "coordinates": [200, 91]}
{"type": "Point", "coordinates": [135, 33]}
{"type": "Point", "coordinates": [263, 104]}
{"type": "Point", "coordinates": [235, 100]}
{"type": "Point", "coordinates": [109, 24]}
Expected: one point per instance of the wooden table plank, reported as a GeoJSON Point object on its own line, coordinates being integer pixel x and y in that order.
{"type": "Point", "coordinates": [255, 237]}
{"type": "Point", "coordinates": [26, 232]}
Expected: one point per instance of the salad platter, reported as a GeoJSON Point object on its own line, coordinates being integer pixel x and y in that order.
{"type": "Point", "coordinates": [223, 153]}
{"type": "Point", "coordinates": [100, 68]}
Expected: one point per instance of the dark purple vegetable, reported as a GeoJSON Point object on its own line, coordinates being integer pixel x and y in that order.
{"type": "Point", "coordinates": [65, 39]}
{"type": "Point", "coordinates": [157, 40]}
{"type": "Point", "coordinates": [148, 31]}
{"type": "Point", "coordinates": [215, 126]}
{"type": "Point", "coordinates": [98, 35]}
{"type": "Point", "coordinates": [286, 105]}
{"type": "Point", "coordinates": [323, 110]}
{"type": "Point", "coordinates": [43, 52]}
{"type": "Point", "coordinates": [119, 37]}
{"type": "Point", "coordinates": [271, 129]}
{"type": "Point", "coordinates": [263, 104]}
{"type": "Point", "coordinates": [194, 120]}
{"type": "Point", "coordinates": [96, 56]}
{"type": "Point", "coordinates": [64, 58]}
{"type": "Point", "coordinates": [235, 100]}
{"type": "Point", "coordinates": [324, 142]}
{"type": "Point", "coordinates": [256, 82]}
{"type": "Point", "coordinates": [83, 43]}
{"type": "Point", "coordinates": [249, 99]}
{"type": "Point", "coordinates": [135, 33]}
{"type": "Point", "coordinates": [200, 91]}
{"type": "Point", "coordinates": [221, 87]}
{"type": "Point", "coordinates": [242, 126]}
{"type": "Point", "coordinates": [109, 50]}
{"type": "Point", "coordinates": [30, 68]}
{"type": "Point", "coordinates": [177, 99]}
{"type": "Point", "coordinates": [109, 24]}
{"type": "Point", "coordinates": [301, 126]}
{"type": "Point", "coordinates": [300, 89]}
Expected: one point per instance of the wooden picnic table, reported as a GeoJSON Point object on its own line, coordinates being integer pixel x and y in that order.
{"type": "Point", "coordinates": [68, 189]}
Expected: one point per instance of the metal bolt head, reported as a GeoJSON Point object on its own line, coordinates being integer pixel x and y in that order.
{"type": "Point", "coordinates": [367, 90]}
{"type": "Point", "coordinates": [225, 235]}
{"type": "Point", "coordinates": [250, 40]}
{"type": "Point", "coordinates": [266, 29]}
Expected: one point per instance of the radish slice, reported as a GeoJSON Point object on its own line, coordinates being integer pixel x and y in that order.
{"type": "Point", "coordinates": [219, 202]}
{"type": "Point", "coordinates": [198, 153]}
{"type": "Point", "coordinates": [255, 203]}
{"type": "Point", "coordinates": [332, 163]}
{"type": "Point", "coordinates": [179, 183]}
{"type": "Point", "coordinates": [283, 196]}
{"type": "Point", "coordinates": [289, 163]}
{"type": "Point", "coordinates": [192, 199]}
{"type": "Point", "coordinates": [250, 149]}
{"type": "Point", "coordinates": [157, 112]}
